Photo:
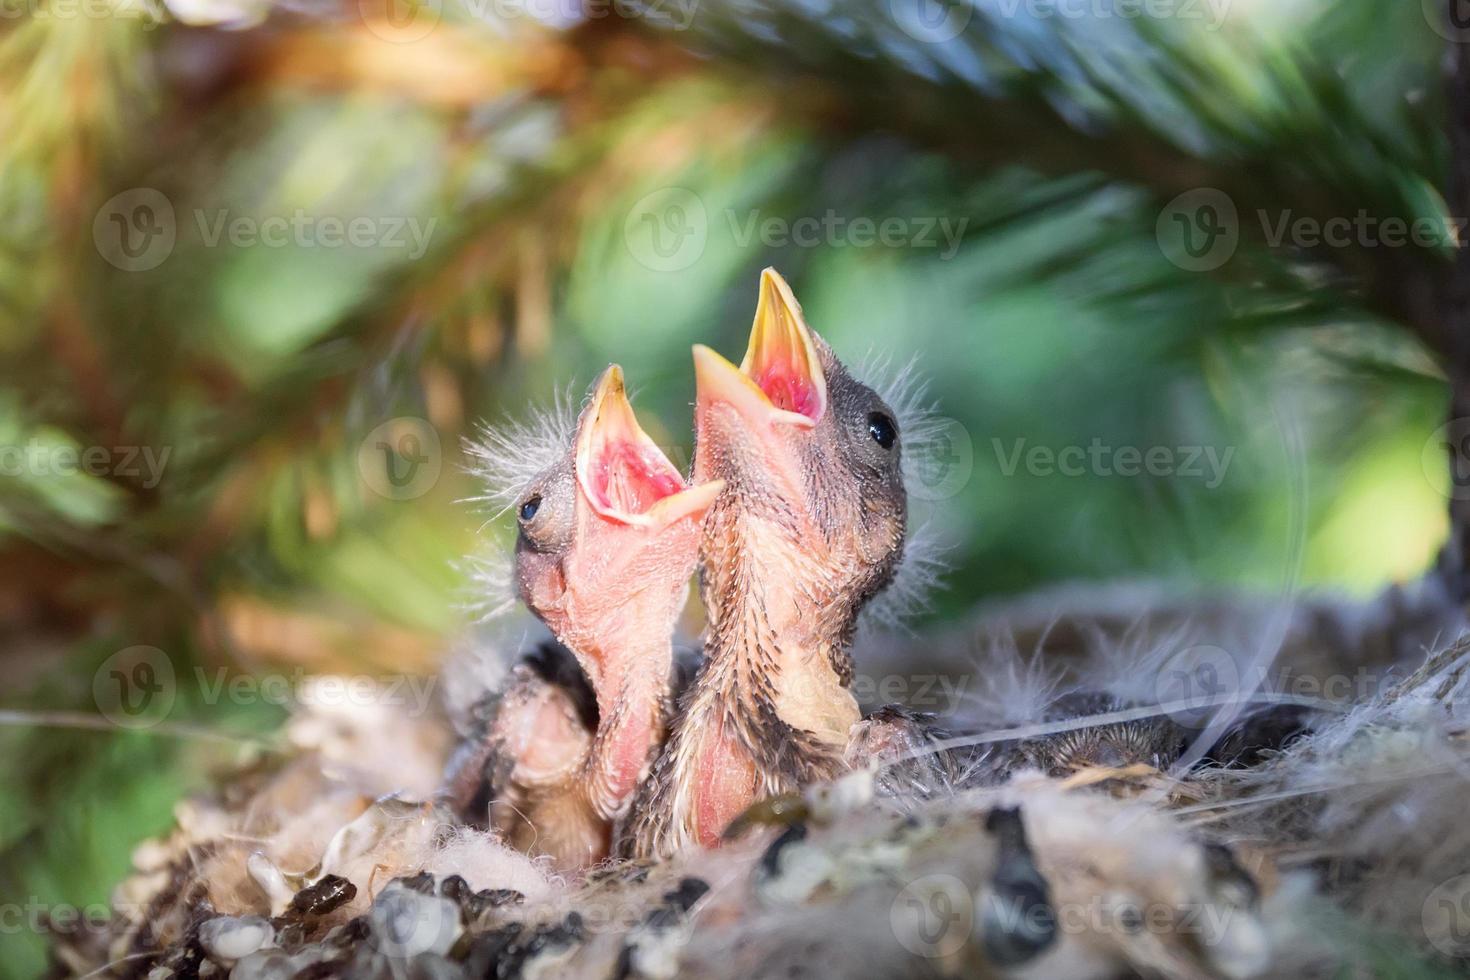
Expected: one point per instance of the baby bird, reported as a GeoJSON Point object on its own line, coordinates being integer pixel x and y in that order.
{"type": "Point", "coordinates": [809, 526]}
{"type": "Point", "coordinates": [607, 543]}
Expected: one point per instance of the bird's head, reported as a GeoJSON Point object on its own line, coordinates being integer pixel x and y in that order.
{"type": "Point", "coordinates": [810, 458]}
{"type": "Point", "coordinates": [608, 539]}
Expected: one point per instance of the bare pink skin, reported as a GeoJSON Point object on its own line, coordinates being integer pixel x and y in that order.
{"type": "Point", "coordinates": [605, 563]}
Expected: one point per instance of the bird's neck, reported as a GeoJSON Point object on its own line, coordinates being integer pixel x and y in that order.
{"type": "Point", "coordinates": [627, 658]}
{"type": "Point", "coordinates": [780, 656]}
{"type": "Point", "coordinates": [630, 728]}
{"type": "Point", "coordinates": [772, 705]}
{"type": "Point", "coordinates": [783, 626]}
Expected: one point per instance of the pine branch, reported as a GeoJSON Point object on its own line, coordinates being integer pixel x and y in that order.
{"type": "Point", "coordinates": [1141, 104]}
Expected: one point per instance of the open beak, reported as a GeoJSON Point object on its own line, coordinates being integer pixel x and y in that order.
{"type": "Point", "coordinates": [622, 473]}
{"type": "Point", "coordinates": [781, 377]}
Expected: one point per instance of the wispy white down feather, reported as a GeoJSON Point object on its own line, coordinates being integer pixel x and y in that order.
{"type": "Point", "coordinates": [507, 457]}
{"type": "Point", "coordinates": [914, 582]}
{"type": "Point", "coordinates": [905, 389]}
{"type": "Point", "coordinates": [491, 592]}
{"type": "Point", "coordinates": [924, 432]}
{"type": "Point", "coordinates": [1010, 688]}
{"type": "Point", "coordinates": [1374, 798]}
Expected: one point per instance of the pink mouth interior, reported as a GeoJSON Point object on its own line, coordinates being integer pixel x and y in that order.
{"type": "Point", "coordinates": [630, 477]}
{"type": "Point", "coordinates": [789, 386]}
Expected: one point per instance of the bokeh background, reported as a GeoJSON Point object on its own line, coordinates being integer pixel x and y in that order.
{"type": "Point", "coordinates": [264, 266]}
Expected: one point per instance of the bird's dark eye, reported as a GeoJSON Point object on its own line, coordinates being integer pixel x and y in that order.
{"type": "Point", "coordinates": [880, 427]}
{"type": "Point", "coordinates": [530, 507]}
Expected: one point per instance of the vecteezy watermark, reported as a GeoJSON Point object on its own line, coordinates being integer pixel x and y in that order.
{"type": "Point", "coordinates": [406, 923]}
{"type": "Point", "coordinates": [304, 230]}
{"type": "Point", "coordinates": [933, 916]}
{"type": "Point", "coordinates": [674, 15]}
{"type": "Point", "coordinates": [668, 230]}
{"type": "Point", "coordinates": [1445, 459]}
{"type": "Point", "coordinates": [940, 693]}
{"type": "Point", "coordinates": [940, 461]}
{"type": "Point", "coordinates": [406, 21]}
{"type": "Point", "coordinates": [150, 12]}
{"type": "Point", "coordinates": [1193, 682]}
{"type": "Point", "coordinates": [1199, 230]}
{"type": "Point", "coordinates": [1211, 12]}
{"type": "Point", "coordinates": [833, 230]}
{"type": "Point", "coordinates": [1197, 682]}
{"type": "Point", "coordinates": [44, 459]}
{"type": "Point", "coordinates": [400, 21]}
{"type": "Point", "coordinates": [616, 912]}
{"type": "Point", "coordinates": [297, 687]}
{"type": "Point", "coordinates": [401, 458]}
{"type": "Point", "coordinates": [138, 230]}
{"type": "Point", "coordinates": [136, 688]}
{"type": "Point", "coordinates": [1363, 230]}
{"type": "Point", "coordinates": [1205, 463]}
{"type": "Point", "coordinates": [1445, 917]}
{"type": "Point", "coordinates": [135, 230]}
{"type": "Point", "coordinates": [59, 918]}
{"type": "Point", "coordinates": [1118, 914]}
{"type": "Point", "coordinates": [938, 21]}
{"type": "Point", "coordinates": [1449, 18]}
{"type": "Point", "coordinates": [936, 915]}
{"type": "Point", "coordinates": [931, 21]}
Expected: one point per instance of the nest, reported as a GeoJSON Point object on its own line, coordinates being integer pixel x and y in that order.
{"type": "Point", "coordinates": [1349, 836]}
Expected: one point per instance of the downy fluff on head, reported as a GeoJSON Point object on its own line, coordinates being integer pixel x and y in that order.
{"type": "Point", "coordinates": [507, 457]}
{"type": "Point", "coordinates": [905, 390]}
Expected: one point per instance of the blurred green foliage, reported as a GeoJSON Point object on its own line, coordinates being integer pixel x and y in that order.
{"type": "Point", "coordinates": [537, 163]}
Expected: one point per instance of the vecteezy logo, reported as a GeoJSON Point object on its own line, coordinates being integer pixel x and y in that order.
{"type": "Point", "coordinates": [406, 923]}
{"type": "Point", "coordinates": [134, 688]}
{"type": "Point", "coordinates": [1199, 230]}
{"type": "Point", "coordinates": [944, 460]}
{"type": "Point", "coordinates": [1451, 20]}
{"type": "Point", "coordinates": [1195, 683]}
{"type": "Point", "coordinates": [931, 21]}
{"type": "Point", "coordinates": [1445, 917]}
{"type": "Point", "coordinates": [666, 230]}
{"type": "Point", "coordinates": [400, 459]}
{"type": "Point", "coordinates": [1450, 444]}
{"type": "Point", "coordinates": [933, 916]}
{"type": "Point", "coordinates": [135, 230]}
{"type": "Point", "coordinates": [400, 21]}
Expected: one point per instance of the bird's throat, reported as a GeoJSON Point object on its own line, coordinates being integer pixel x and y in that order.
{"type": "Point", "coordinates": [772, 706]}
{"type": "Point", "coordinates": [630, 728]}
{"type": "Point", "coordinates": [778, 627]}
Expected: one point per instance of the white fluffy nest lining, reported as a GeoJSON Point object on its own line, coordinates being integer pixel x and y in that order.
{"type": "Point", "coordinates": [1348, 846]}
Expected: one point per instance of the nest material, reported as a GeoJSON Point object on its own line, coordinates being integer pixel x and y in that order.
{"type": "Point", "coordinates": [296, 870]}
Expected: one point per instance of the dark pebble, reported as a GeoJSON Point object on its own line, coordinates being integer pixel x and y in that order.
{"type": "Point", "coordinates": [477, 904]}
{"type": "Point", "coordinates": [677, 903]}
{"type": "Point", "coordinates": [353, 932]}
{"type": "Point", "coordinates": [327, 895]}
{"type": "Point", "coordinates": [488, 950]}
{"type": "Point", "coordinates": [423, 882]}
{"type": "Point", "coordinates": [770, 863]}
{"type": "Point", "coordinates": [455, 888]}
{"type": "Point", "coordinates": [689, 891]}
